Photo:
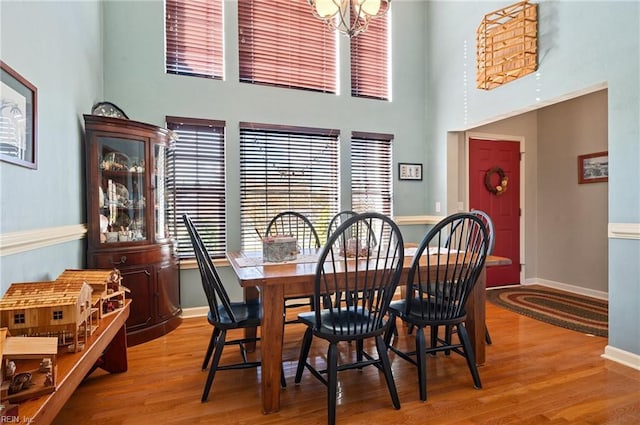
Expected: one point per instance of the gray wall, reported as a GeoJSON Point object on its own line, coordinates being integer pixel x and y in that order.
{"type": "Point", "coordinates": [572, 218]}
{"type": "Point", "coordinates": [565, 235]}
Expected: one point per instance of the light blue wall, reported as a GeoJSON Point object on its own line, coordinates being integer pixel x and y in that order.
{"type": "Point", "coordinates": [135, 80]}
{"type": "Point", "coordinates": [581, 45]}
{"type": "Point", "coordinates": [57, 47]}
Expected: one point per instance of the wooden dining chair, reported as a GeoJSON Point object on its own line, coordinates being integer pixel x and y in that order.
{"type": "Point", "coordinates": [350, 263]}
{"type": "Point", "coordinates": [293, 223]}
{"type": "Point", "coordinates": [438, 288]}
{"type": "Point", "coordinates": [223, 315]}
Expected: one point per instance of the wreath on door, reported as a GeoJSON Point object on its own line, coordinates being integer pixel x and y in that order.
{"type": "Point", "coordinates": [504, 181]}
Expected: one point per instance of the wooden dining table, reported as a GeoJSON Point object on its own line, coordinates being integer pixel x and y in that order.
{"type": "Point", "coordinates": [275, 282]}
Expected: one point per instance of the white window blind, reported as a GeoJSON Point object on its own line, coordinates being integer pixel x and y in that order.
{"type": "Point", "coordinates": [371, 172]}
{"type": "Point", "coordinates": [193, 38]}
{"type": "Point", "coordinates": [370, 61]}
{"type": "Point", "coordinates": [197, 177]}
{"type": "Point", "coordinates": [282, 44]}
{"type": "Point", "coordinates": [286, 168]}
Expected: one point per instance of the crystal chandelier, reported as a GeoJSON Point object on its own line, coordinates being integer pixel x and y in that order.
{"type": "Point", "coordinates": [350, 17]}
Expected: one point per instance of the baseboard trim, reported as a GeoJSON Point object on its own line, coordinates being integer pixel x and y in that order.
{"type": "Point", "coordinates": [623, 357]}
{"type": "Point", "coordinates": [567, 287]}
{"type": "Point", "coordinates": [188, 313]}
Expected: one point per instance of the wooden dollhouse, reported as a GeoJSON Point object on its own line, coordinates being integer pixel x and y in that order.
{"type": "Point", "coordinates": [28, 367]}
{"type": "Point", "coordinates": [60, 309]}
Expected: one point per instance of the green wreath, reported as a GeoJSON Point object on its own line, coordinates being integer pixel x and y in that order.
{"type": "Point", "coordinates": [504, 181]}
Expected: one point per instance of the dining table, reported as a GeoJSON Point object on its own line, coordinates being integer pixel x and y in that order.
{"type": "Point", "coordinates": [273, 282]}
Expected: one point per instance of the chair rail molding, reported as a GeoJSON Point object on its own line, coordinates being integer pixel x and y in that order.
{"type": "Point", "coordinates": [405, 220]}
{"type": "Point", "coordinates": [624, 231]}
{"type": "Point", "coordinates": [27, 240]}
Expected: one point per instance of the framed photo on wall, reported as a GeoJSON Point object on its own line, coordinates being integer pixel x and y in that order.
{"type": "Point", "coordinates": [409, 171]}
{"type": "Point", "coordinates": [593, 167]}
{"type": "Point", "coordinates": [18, 118]}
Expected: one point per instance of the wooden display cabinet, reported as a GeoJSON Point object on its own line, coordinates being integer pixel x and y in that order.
{"type": "Point", "coordinates": [127, 202]}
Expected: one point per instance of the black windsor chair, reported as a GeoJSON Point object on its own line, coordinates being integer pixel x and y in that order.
{"type": "Point", "coordinates": [370, 275]}
{"type": "Point", "coordinates": [438, 287]}
{"type": "Point", "coordinates": [223, 314]}
{"type": "Point", "coordinates": [292, 223]}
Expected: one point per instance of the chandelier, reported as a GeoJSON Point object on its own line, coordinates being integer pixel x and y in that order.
{"type": "Point", "coordinates": [350, 17]}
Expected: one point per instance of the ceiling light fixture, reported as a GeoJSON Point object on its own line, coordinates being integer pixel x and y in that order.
{"type": "Point", "coordinates": [350, 17]}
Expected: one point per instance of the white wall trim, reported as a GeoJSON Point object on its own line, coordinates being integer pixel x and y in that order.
{"type": "Point", "coordinates": [188, 313]}
{"type": "Point", "coordinates": [567, 287]}
{"type": "Point", "coordinates": [27, 240]}
{"type": "Point", "coordinates": [417, 219]}
{"type": "Point", "coordinates": [624, 230]}
{"type": "Point", "coordinates": [623, 357]}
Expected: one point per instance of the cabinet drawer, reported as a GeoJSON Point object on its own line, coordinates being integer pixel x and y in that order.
{"type": "Point", "coordinates": [125, 258]}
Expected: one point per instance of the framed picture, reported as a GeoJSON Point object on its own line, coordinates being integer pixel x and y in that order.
{"type": "Point", "coordinates": [593, 167]}
{"type": "Point", "coordinates": [408, 171]}
{"type": "Point", "coordinates": [18, 118]}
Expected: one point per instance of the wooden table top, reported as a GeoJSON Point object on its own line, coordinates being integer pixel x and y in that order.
{"type": "Point", "coordinates": [266, 274]}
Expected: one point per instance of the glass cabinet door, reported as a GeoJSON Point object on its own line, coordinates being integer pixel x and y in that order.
{"type": "Point", "coordinates": [122, 188]}
{"type": "Point", "coordinates": [159, 178]}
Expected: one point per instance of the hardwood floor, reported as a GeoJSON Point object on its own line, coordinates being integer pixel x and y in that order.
{"type": "Point", "coordinates": [535, 374]}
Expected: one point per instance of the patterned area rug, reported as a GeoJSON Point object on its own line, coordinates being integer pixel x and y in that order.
{"type": "Point", "coordinates": [576, 312]}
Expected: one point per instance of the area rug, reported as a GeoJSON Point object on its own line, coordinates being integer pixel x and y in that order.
{"type": "Point", "coordinates": [576, 312]}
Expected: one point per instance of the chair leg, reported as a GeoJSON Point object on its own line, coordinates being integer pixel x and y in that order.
{"type": "Point", "coordinates": [487, 337]}
{"type": "Point", "coordinates": [217, 353]}
{"type": "Point", "coordinates": [212, 343]}
{"type": "Point", "coordinates": [304, 352]}
{"type": "Point", "coordinates": [383, 355]}
{"type": "Point", "coordinates": [332, 382]}
{"type": "Point", "coordinates": [359, 349]}
{"type": "Point", "coordinates": [421, 361]}
{"type": "Point", "coordinates": [468, 354]}
{"type": "Point", "coordinates": [392, 330]}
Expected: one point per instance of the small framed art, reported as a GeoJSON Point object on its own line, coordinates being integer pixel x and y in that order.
{"type": "Point", "coordinates": [593, 167]}
{"type": "Point", "coordinates": [18, 118]}
{"type": "Point", "coordinates": [409, 171]}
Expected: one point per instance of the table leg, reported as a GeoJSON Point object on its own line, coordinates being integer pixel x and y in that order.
{"type": "Point", "coordinates": [475, 323]}
{"type": "Point", "coordinates": [271, 345]}
{"type": "Point", "coordinates": [251, 293]}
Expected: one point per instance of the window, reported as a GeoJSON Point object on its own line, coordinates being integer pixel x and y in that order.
{"type": "Point", "coordinates": [194, 38]}
{"type": "Point", "coordinates": [371, 172]}
{"type": "Point", "coordinates": [370, 61]}
{"type": "Point", "coordinates": [197, 177]}
{"type": "Point", "coordinates": [286, 168]}
{"type": "Point", "coordinates": [282, 44]}
{"type": "Point", "coordinates": [18, 319]}
{"type": "Point", "coordinates": [57, 315]}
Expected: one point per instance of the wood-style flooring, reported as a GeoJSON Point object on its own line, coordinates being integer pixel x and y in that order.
{"type": "Point", "coordinates": [535, 374]}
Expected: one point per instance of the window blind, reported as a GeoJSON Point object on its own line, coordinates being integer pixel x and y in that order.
{"type": "Point", "coordinates": [286, 168]}
{"type": "Point", "coordinates": [370, 61]}
{"type": "Point", "coordinates": [371, 172]}
{"type": "Point", "coordinates": [193, 38]}
{"type": "Point", "coordinates": [197, 177]}
{"type": "Point", "coordinates": [282, 44]}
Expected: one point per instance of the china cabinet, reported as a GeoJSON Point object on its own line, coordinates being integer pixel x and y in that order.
{"type": "Point", "coordinates": [127, 202]}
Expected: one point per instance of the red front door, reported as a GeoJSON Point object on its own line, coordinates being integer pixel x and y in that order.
{"type": "Point", "coordinates": [504, 208]}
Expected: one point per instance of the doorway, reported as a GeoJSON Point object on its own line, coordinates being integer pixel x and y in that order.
{"type": "Point", "coordinates": [494, 187]}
